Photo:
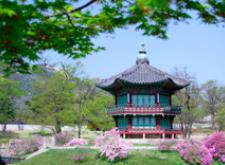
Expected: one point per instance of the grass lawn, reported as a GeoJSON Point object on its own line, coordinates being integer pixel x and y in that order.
{"type": "Point", "coordinates": [143, 145]}
{"type": "Point", "coordinates": [63, 157]}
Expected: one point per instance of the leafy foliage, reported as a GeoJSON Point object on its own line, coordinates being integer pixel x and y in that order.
{"type": "Point", "coordinates": [30, 27]}
{"type": "Point", "coordinates": [97, 118]}
{"type": "Point", "coordinates": [216, 145]}
{"type": "Point", "coordinates": [9, 91]}
{"type": "Point", "coordinates": [189, 98]}
{"type": "Point", "coordinates": [112, 146]}
{"type": "Point", "coordinates": [194, 152]}
{"type": "Point", "coordinates": [219, 118]}
{"type": "Point", "coordinates": [84, 93]}
{"type": "Point", "coordinates": [53, 102]}
{"type": "Point", "coordinates": [213, 95]}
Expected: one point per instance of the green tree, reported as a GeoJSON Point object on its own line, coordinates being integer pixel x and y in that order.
{"type": "Point", "coordinates": [9, 91]}
{"type": "Point", "coordinates": [29, 27]}
{"type": "Point", "coordinates": [213, 96]}
{"type": "Point", "coordinates": [84, 93]}
{"type": "Point", "coordinates": [189, 98]}
{"type": "Point", "coordinates": [53, 101]}
{"type": "Point", "coordinates": [219, 118]}
{"type": "Point", "coordinates": [97, 118]}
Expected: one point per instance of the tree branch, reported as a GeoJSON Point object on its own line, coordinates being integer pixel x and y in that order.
{"type": "Point", "coordinates": [69, 19]}
{"type": "Point", "coordinates": [74, 10]}
{"type": "Point", "coordinates": [83, 6]}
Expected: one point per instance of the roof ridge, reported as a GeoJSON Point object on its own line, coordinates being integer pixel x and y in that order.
{"type": "Point", "coordinates": [130, 71]}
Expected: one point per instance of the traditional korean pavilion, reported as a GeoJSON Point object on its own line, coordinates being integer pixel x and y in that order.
{"type": "Point", "coordinates": [143, 107]}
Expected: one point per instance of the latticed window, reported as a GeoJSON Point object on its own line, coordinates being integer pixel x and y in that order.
{"type": "Point", "coordinates": [122, 122]}
{"type": "Point", "coordinates": [143, 122]}
{"type": "Point", "coordinates": [147, 121]}
{"type": "Point", "coordinates": [122, 100]}
{"type": "Point", "coordinates": [165, 123]}
{"type": "Point", "coordinates": [164, 100]}
{"type": "Point", "coordinates": [143, 100]}
{"type": "Point", "coordinates": [135, 121]}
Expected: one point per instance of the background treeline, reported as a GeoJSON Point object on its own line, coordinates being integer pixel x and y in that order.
{"type": "Point", "coordinates": [200, 102]}
{"type": "Point", "coordinates": [55, 97]}
{"type": "Point", "coordinates": [65, 96]}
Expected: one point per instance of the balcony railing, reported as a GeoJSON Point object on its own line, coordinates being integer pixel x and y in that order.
{"type": "Point", "coordinates": [162, 109]}
{"type": "Point", "coordinates": [150, 131]}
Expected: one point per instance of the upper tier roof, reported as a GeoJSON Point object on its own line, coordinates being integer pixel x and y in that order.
{"type": "Point", "coordinates": [143, 74]}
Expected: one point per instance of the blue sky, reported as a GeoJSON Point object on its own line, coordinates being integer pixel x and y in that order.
{"type": "Point", "coordinates": [198, 47]}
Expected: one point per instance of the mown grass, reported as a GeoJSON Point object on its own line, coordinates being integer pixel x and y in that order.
{"type": "Point", "coordinates": [137, 157]}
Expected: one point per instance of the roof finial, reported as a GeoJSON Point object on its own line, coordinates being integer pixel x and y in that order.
{"type": "Point", "coordinates": [142, 51]}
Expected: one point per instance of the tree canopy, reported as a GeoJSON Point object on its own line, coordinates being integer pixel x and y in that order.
{"type": "Point", "coordinates": [53, 102]}
{"type": "Point", "coordinates": [9, 91]}
{"type": "Point", "coordinates": [29, 27]}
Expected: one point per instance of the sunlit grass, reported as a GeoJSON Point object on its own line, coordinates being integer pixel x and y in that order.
{"type": "Point", "coordinates": [137, 157]}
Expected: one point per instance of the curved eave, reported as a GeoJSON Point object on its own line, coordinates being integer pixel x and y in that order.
{"type": "Point", "coordinates": [166, 83]}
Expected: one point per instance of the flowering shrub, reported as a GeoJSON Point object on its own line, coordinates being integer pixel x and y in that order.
{"type": "Point", "coordinates": [63, 138]}
{"type": "Point", "coordinates": [7, 152]}
{"type": "Point", "coordinates": [112, 146]}
{"type": "Point", "coordinates": [76, 142]}
{"type": "Point", "coordinates": [216, 145]}
{"type": "Point", "coordinates": [166, 145]}
{"type": "Point", "coordinates": [79, 158]}
{"type": "Point", "coordinates": [19, 147]}
{"type": "Point", "coordinates": [39, 141]}
{"type": "Point", "coordinates": [194, 152]}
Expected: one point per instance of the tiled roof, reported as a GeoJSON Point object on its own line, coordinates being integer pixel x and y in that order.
{"type": "Point", "coordinates": [142, 73]}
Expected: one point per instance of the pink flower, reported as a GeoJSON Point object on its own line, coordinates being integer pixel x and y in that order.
{"type": "Point", "coordinates": [194, 152]}
{"type": "Point", "coordinates": [76, 142]}
{"type": "Point", "coordinates": [216, 145]}
{"type": "Point", "coordinates": [112, 146]}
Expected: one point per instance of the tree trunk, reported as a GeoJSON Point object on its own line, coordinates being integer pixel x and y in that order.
{"type": "Point", "coordinates": [189, 131]}
{"type": "Point", "coordinates": [79, 131]}
{"type": "Point", "coordinates": [213, 119]}
{"type": "Point", "coordinates": [4, 128]}
{"type": "Point", "coordinates": [58, 126]}
{"type": "Point", "coordinates": [184, 132]}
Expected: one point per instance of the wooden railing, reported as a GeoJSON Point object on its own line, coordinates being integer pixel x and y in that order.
{"type": "Point", "coordinates": [143, 110]}
{"type": "Point", "coordinates": [150, 131]}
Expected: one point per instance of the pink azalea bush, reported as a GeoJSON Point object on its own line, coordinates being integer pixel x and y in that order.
{"type": "Point", "coordinates": [112, 146]}
{"type": "Point", "coordinates": [39, 141]}
{"type": "Point", "coordinates": [18, 147]}
{"type": "Point", "coordinates": [76, 142]}
{"type": "Point", "coordinates": [7, 152]}
{"type": "Point", "coordinates": [80, 157]}
{"type": "Point", "coordinates": [216, 145]}
{"type": "Point", "coordinates": [62, 138]}
{"type": "Point", "coordinates": [194, 152]}
{"type": "Point", "coordinates": [166, 145]}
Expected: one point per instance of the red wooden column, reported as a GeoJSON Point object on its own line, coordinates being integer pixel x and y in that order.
{"type": "Point", "coordinates": [157, 99]}
{"type": "Point", "coordinates": [171, 122]}
{"type": "Point", "coordinates": [130, 122]}
{"type": "Point", "coordinates": [130, 100]}
{"type": "Point", "coordinates": [116, 100]}
{"type": "Point", "coordinates": [116, 121]}
{"type": "Point", "coordinates": [157, 122]}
